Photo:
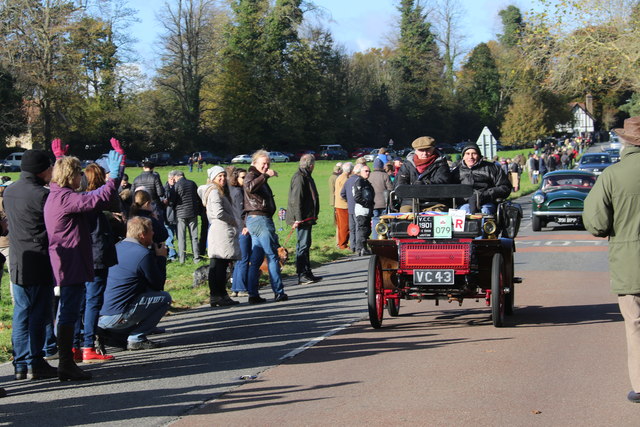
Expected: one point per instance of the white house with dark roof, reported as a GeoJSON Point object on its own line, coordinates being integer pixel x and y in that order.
{"type": "Point", "coordinates": [583, 122]}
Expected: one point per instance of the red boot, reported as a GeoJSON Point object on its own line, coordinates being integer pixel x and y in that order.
{"type": "Point", "coordinates": [77, 354]}
{"type": "Point", "coordinates": [90, 355]}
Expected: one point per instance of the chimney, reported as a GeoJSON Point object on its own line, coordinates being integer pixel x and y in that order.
{"type": "Point", "coordinates": [589, 104]}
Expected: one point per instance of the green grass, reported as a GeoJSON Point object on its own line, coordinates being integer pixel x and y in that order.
{"type": "Point", "coordinates": [179, 277]}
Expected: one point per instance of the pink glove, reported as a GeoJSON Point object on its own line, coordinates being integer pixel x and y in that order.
{"type": "Point", "coordinates": [116, 146]}
{"type": "Point", "coordinates": [58, 150]}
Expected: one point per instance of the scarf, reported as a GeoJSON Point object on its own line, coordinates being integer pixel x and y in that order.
{"type": "Point", "coordinates": [423, 164]}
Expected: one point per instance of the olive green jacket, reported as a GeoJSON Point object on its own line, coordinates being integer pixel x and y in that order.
{"type": "Point", "coordinates": [612, 209]}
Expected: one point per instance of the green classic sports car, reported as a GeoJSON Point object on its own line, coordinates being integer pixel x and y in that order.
{"type": "Point", "coordinates": [560, 198]}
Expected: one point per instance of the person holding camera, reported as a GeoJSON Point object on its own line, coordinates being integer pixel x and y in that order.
{"type": "Point", "coordinates": [135, 300]}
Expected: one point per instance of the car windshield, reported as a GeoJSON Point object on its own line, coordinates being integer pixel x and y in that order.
{"type": "Point", "coordinates": [596, 158]}
{"type": "Point", "coordinates": [568, 181]}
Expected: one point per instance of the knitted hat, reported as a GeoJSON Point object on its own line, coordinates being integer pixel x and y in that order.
{"type": "Point", "coordinates": [35, 161]}
{"type": "Point", "coordinates": [377, 163]}
{"type": "Point", "coordinates": [214, 171]}
{"type": "Point", "coordinates": [471, 146]}
{"type": "Point", "coordinates": [423, 143]}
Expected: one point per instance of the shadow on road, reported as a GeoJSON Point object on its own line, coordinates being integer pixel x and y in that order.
{"type": "Point", "coordinates": [538, 316]}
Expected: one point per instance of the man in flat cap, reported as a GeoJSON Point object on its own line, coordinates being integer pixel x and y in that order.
{"type": "Point", "coordinates": [425, 165]}
{"type": "Point", "coordinates": [611, 210]}
{"type": "Point", "coordinates": [30, 268]}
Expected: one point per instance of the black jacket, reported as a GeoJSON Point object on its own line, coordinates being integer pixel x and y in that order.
{"type": "Point", "coordinates": [363, 196]}
{"type": "Point", "coordinates": [103, 241]}
{"type": "Point", "coordinates": [436, 173]}
{"type": "Point", "coordinates": [151, 182]}
{"type": "Point", "coordinates": [185, 199]}
{"type": "Point", "coordinates": [258, 197]}
{"type": "Point", "coordinates": [303, 198]}
{"type": "Point", "coordinates": [488, 180]}
{"type": "Point", "coordinates": [28, 243]}
{"type": "Point", "coordinates": [169, 211]}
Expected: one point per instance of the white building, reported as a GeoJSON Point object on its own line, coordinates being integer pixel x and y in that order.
{"type": "Point", "coordinates": [583, 121]}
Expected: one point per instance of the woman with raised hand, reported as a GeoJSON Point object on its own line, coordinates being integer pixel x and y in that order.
{"type": "Point", "coordinates": [70, 244]}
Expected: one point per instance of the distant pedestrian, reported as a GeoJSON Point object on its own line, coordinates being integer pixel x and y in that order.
{"type": "Point", "coordinates": [342, 211]}
{"type": "Point", "coordinates": [611, 210]}
{"type": "Point", "coordinates": [347, 194]}
{"type": "Point", "coordinates": [380, 182]}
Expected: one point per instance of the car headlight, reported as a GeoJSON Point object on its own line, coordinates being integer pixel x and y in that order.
{"type": "Point", "coordinates": [538, 198]}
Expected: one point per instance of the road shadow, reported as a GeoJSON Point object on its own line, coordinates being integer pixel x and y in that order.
{"type": "Point", "coordinates": [539, 316]}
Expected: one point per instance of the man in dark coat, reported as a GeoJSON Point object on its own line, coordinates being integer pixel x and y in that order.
{"type": "Point", "coordinates": [31, 273]}
{"type": "Point", "coordinates": [488, 180]}
{"type": "Point", "coordinates": [426, 165]}
{"type": "Point", "coordinates": [151, 182]}
{"type": "Point", "coordinates": [302, 212]}
{"type": "Point", "coordinates": [347, 194]}
{"type": "Point", "coordinates": [363, 196]}
{"type": "Point", "coordinates": [186, 202]}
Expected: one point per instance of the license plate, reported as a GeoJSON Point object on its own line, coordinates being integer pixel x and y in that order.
{"type": "Point", "coordinates": [565, 220]}
{"type": "Point", "coordinates": [433, 277]}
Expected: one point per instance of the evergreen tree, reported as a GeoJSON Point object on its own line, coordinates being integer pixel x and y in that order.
{"type": "Point", "coordinates": [512, 26]}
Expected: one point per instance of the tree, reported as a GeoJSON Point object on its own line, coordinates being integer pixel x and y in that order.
{"type": "Point", "coordinates": [12, 115]}
{"type": "Point", "coordinates": [479, 87]}
{"type": "Point", "coordinates": [525, 120]}
{"type": "Point", "coordinates": [187, 43]}
{"type": "Point", "coordinates": [416, 92]}
{"type": "Point", "coordinates": [512, 26]}
{"type": "Point", "coordinates": [35, 49]}
{"type": "Point", "coordinates": [447, 25]}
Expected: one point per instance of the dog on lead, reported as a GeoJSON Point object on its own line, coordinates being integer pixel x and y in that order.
{"type": "Point", "coordinates": [201, 275]}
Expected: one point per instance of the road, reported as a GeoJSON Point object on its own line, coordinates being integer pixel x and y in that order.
{"type": "Point", "coordinates": [559, 361]}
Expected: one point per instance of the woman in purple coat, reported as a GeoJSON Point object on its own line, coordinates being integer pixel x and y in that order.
{"type": "Point", "coordinates": [70, 246]}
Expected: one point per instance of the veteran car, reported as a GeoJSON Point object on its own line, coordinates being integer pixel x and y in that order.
{"type": "Point", "coordinates": [560, 198]}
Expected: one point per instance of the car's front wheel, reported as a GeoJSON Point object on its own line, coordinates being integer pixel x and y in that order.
{"type": "Point", "coordinates": [536, 223]}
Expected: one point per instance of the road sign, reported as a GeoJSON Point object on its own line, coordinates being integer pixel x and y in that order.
{"type": "Point", "coordinates": [487, 144]}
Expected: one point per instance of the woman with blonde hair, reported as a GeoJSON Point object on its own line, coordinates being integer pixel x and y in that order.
{"type": "Point", "coordinates": [222, 239]}
{"type": "Point", "coordinates": [66, 220]}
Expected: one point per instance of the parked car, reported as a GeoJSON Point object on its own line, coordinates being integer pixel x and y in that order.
{"type": "Point", "coordinates": [334, 154]}
{"type": "Point", "coordinates": [560, 198]}
{"type": "Point", "coordinates": [359, 152]}
{"type": "Point", "coordinates": [242, 158]}
{"type": "Point", "coordinates": [159, 159]}
{"type": "Point", "coordinates": [209, 158]}
{"type": "Point", "coordinates": [614, 153]}
{"type": "Point", "coordinates": [594, 162]}
{"type": "Point", "coordinates": [301, 153]}
{"type": "Point", "coordinates": [277, 156]}
{"type": "Point", "coordinates": [374, 153]}
{"type": "Point", "coordinates": [12, 162]}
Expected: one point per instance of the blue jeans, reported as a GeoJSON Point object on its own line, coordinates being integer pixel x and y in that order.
{"type": "Point", "coordinates": [31, 311]}
{"type": "Point", "coordinates": [377, 213]}
{"type": "Point", "coordinates": [264, 241]}
{"type": "Point", "coordinates": [94, 298]}
{"type": "Point", "coordinates": [71, 298]}
{"type": "Point", "coordinates": [241, 267]}
{"type": "Point", "coordinates": [140, 317]}
{"type": "Point", "coordinates": [171, 231]}
{"type": "Point", "coordinates": [487, 208]}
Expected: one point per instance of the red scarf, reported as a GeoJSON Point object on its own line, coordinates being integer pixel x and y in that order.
{"type": "Point", "coordinates": [423, 164]}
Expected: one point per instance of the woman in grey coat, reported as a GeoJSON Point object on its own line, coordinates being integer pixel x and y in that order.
{"type": "Point", "coordinates": [222, 239]}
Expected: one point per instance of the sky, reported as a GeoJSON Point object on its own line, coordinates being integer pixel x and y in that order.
{"type": "Point", "coordinates": [355, 24]}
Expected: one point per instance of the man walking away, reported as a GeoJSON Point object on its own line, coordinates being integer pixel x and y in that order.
{"type": "Point", "coordinates": [187, 207]}
{"type": "Point", "coordinates": [302, 212]}
{"type": "Point", "coordinates": [611, 210]}
{"type": "Point", "coordinates": [380, 182]}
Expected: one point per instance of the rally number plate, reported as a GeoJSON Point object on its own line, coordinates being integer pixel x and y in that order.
{"type": "Point", "coordinates": [433, 277]}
